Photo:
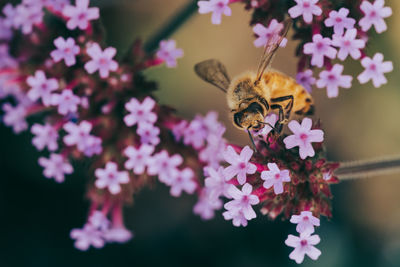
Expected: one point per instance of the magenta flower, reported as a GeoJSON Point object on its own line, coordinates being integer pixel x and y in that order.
{"type": "Point", "coordinates": [242, 202]}
{"type": "Point", "coordinates": [302, 137]}
{"type": "Point", "coordinates": [66, 50]}
{"type": "Point", "coordinates": [169, 53]}
{"type": "Point", "coordinates": [305, 8]}
{"type": "Point", "coordinates": [339, 21]}
{"type": "Point", "coordinates": [183, 181]}
{"type": "Point", "coordinates": [45, 136]}
{"type": "Point", "coordinates": [271, 119]}
{"type": "Point", "coordinates": [320, 47]}
{"type": "Point", "coordinates": [15, 117]}
{"type": "Point", "coordinates": [305, 222]}
{"type": "Point", "coordinates": [66, 101]}
{"type": "Point", "coordinates": [374, 14]}
{"type": "Point", "coordinates": [55, 167]}
{"type": "Point", "coordinates": [217, 7]}
{"type": "Point", "coordinates": [215, 183]}
{"type": "Point", "coordinates": [333, 79]}
{"type": "Point", "coordinates": [206, 206]}
{"type": "Point", "coordinates": [374, 69]}
{"type": "Point", "coordinates": [101, 60]}
{"type": "Point", "coordinates": [140, 112]}
{"type": "Point", "coordinates": [268, 34]}
{"type": "Point", "coordinates": [275, 177]}
{"type": "Point", "coordinates": [27, 16]}
{"type": "Point", "coordinates": [86, 237]}
{"type": "Point", "coordinates": [111, 178]}
{"type": "Point", "coordinates": [303, 245]}
{"type": "Point", "coordinates": [80, 15]}
{"type": "Point", "coordinates": [138, 158]}
{"type": "Point", "coordinates": [306, 79]}
{"type": "Point", "coordinates": [240, 164]}
{"type": "Point", "coordinates": [41, 87]}
{"type": "Point", "coordinates": [164, 166]}
{"type": "Point", "coordinates": [348, 44]}
{"type": "Point", "coordinates": [149, 134]}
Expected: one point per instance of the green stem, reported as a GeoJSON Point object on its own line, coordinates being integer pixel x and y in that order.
{"type": "Point", "coordinates": [368, 168]}
{"type": "Point", "coordinates": [171, 26]}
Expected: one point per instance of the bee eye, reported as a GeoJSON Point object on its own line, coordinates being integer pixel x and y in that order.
{"type": "Point", "coordinates": [237, 119]}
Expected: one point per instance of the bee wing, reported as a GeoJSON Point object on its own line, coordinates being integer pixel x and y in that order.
{"type": "Point", "coordinates": [214, 72]}
{"type": "Point", "coordinates": [270, 49]}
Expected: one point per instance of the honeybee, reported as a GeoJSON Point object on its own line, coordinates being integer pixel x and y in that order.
{"type": "Point", "coordinates": [251, 96]}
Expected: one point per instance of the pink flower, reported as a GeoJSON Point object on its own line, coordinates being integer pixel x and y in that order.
{"type": "Point", "coordinates": [169, 53]}
{"type": "Point", "coordinates": [138, 158]}
{"type": "Point", "coordinates": [195, 133]}
{"type": "Point", "coordinates": [319, 48]}
{"type": "Point", "coordinates": [374, 69]}
{"type": "Point", "coordinates": [305, 222]}
{"type": "Point", "coordinates": [238, 218]}
{"type": "Point", "coordinates": [333, 79]}
{"type": "Point", "coordinates": [339, 20]}
{"type": "Point", "coordinates": [99, 220]}
{"type": "Point", "coordinates": [5, 31]}
{"type": "Point", "coordinates": [306, 8]}
{"type": "Point", "coordinates": [87, 236]}
{"type": "Point", "coordinates": [10, 14]}
{"type": "Point", "coordinates": [303, 245]}
{"type": "Point", "coordinates": [268, 35]}
{"type": "Point", "coordinates": [77, 134]}
{"type": "Point", "coordinates": [140, 112]}
{"type": "Point", "coordinates": [66, 49]}
{"type": "Point", "coordinates": [215, 183]}
{"type": "Point", "coordinates": [55, 167]}
{"type": "Point", "coordinates": [217, 7]}
{"type": "Point", "coordinates": [275, 177]}
{"type": "Point", "coordinates": [242, 202]}
{"type": "Point", "coordinates": [66, 101]}
{"type": "Point", "coordinates": [148, 134]}
{"type": "Point", "coordinates": [164, 166]}
{"type": "Point", "coordinates": [111, 178]}
{"type": "Point", "coordinates": [306, 79]}
{"type": "Point", "coordinates": [27, 16]}
{"type": "Point", "coordinates": [92, 146]}
{"type": "Point", "coordinates": [101, 60]}
{"type": "Point", "coordinates": [41, 87]}
{"type": "Point", "coordinates": [240, 164]}
{"type": "Point", "coordinates": [183, 181]}
{"type": "Point", "coordinates": [6, 60]}
{"type": "Point", "coordinates": [374, 15]}
{"type": "Point", "coordinates": [80, 15]}
{"type": "Point", "coordinates": [303, 137]}
{"type": "Point", "coordinates": [206, 206]}
{"type": "Point", "coordinates": [45, 136]}
{"type": "Point", "coordinates": [348, 44]}
{"type": "Point", "coordinates": [117, 234]}
{"type": "Point", "coordinates": [15, 117]}
{"type": "Point", "coordinates": [271, 119]}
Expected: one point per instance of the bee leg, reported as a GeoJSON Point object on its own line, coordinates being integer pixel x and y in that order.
{"type": "Point", "coordinates": [281, 117]}
{"type": "Point", "coordinates": [288, 107]}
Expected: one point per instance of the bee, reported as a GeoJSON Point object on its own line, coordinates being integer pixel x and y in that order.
{"type": "Point", "coordinates": [252, 96]}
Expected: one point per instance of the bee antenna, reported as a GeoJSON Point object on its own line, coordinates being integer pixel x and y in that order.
{"type": "Point", "coordinates": [252, 140]}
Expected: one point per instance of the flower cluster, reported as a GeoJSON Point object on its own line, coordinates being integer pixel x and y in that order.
{"type": "Point", "coordinates": [329, 32]}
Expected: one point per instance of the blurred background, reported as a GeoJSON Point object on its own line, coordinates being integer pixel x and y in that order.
{"type": "Point", "coordinates": [363, 122]}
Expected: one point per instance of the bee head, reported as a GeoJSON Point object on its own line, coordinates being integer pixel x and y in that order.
{"type": "Point", "coordinates": [250, 117]}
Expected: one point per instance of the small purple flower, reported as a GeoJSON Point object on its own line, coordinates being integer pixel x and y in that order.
{"type": "Point", "coordinates": [179, 130]}
{"type": "Point", "coordinates": [268, 34]}
{"type": "Point", "coordinates": [27, 16]}
{"type": "Point", "coordinates": [92, 146]}
{"type": "Point", "coordinates": [213, 153]}
{"type": "Point", "coordinates": [15, 117]}
{"type": "Point", "coordinates": [67, 102]}
{"type": "Point", "coordinates": [240, 164]}
{"type": "Point", "coordinates": [138, 158]}
{"type": "Point", "coordinates": [305, 222]}
{"type": "Point", "coordinates": [275, 177]}
{"type": "Point", "coordinates": [303, 245]}
{"type": "Point", "coordinates": [183, 181]}
{"type": "Point", "coordinates": [6, 60]}
{"type": "Point", "coordinates": [41, 87]}
{"type": "Point", "coordinates": [10, 14]}
{"type": "Point", "coordinates": [56, 5]}
{"type": "Point", "coordinates": [333, 79]}
{"type": "Point", "coordinates": [242, 202]}
{"type": "Point", "coordinates": [206, 206]}
{"type": "Point", "coordinates": [305, 8]}
{"type": "Point", "coordinates": [66, 50]}
{"type": "Point", "coordinates": [164, 166]}
{"type": "Point", "coordinates": [302, 137]}
{"type": "Point", "coordinates": [374, 14]}
{"type": "Point", "coordinates": [215, 183]}
{"type": "Point", "coordinates": [374, 69]}
{"type": "Point", "coordinates": [111, 178]}
{"type": "Point", "coordinates": [55, 167]}
{"type": "Point", "coordinates": [86, 237]}
{"type": "Point", "coordinates": [99, 220]}
{"type": "Point", "coordinates": [149, 134]}
{"type": "Point", "coordinates": [80, 15]}
{"type": "Point", "coordinates": [5, 31]}
{"type": "Point", "coordinates": [271, 119]}
{"type": "Point", "coordinates": [140, 112]}
{"type": "Point", "coordinates": [339, 20]}
{"type": "Point", "coordinates": [45, 136]}
{"type": "Point", "coordinates": [306, 79]}
{"type": "Point", "coordinates": [169, 53]}
{"type": "Point", "coordinates": [101, 60]}
{"type": "Point", "coordinates": [217, 7]}
{"type": "Point", "coordinates": [117, 234]}
{"type": "Point", "coordinates": [348, 44]}
{"type": "Point", "coordinates": [237, 217]}
{"type": "Point", "coordinates": [77, 134]}
{"type": "Point", "coordinates": [319, 48]}
{"type": "Point", "coordinates": [195, 133]}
